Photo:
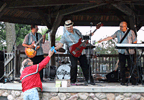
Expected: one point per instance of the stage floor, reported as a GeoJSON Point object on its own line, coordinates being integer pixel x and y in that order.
{"type": "Point", "coordinates": [49, 86]}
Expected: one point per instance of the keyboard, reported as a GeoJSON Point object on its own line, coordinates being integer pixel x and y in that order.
{"type": "Point", "coordinates": [130, 46]}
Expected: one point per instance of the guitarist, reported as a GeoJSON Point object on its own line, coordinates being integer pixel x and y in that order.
{"type": "Point", "coordinates": [29, 41]}
{"type": "Point", "coordinates": [70, 37]}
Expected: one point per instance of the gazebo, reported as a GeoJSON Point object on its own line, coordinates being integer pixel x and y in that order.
{"type": "Point", "coordinates": [53, 13]}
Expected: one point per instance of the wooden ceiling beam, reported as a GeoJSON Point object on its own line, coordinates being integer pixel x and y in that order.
{"type": "Point", "coordinates": [77, 9]}
{"type": "Point", "coordinates": [126, 10]}
{"type": "Point", "coordinates": [2, 9]}
{"type": "Point", "coordinates": [42, 3]}
{"type": "Point", "coordinates": [43, 17]}
{"type": "Point", "coordinates": [20, 20]}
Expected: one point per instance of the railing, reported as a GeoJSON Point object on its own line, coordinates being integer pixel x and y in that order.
{"type": "Point", "coordinates": [9, 66]}
{"type": "Point", "coordinates": [101, 64]}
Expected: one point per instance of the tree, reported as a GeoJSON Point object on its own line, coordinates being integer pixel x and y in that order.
{"type": "Point", "coordinates": [10, 36]}
{"type": "Point", "coordinates": [21, 31]}
{"type": "Point", "coordinates": [43, 31]}
{"type": "Point", "coordinates": [107, 47]}
{"type": "Point", "coordinates": [2, 36]}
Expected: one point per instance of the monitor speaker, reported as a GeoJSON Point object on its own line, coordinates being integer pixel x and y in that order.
{"type": "Point", "coordinates": [113, 76]}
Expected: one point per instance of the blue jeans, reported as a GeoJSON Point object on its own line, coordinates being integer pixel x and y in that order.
{"type": "Point", "coordinates": [31, 94]}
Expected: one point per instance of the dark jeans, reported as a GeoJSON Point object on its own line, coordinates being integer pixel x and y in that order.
{"type": "Point", "coordinates": [122, 61]}
{"type": "Point", "coordinates": [36, 60]}
{"type": "Point", "coordinates": [84, 65]}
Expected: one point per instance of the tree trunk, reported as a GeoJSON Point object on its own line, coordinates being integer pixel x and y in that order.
{"type": "Point", "coordinates": [10, 36]}
{"type": "Point", "coordinates": [11, 46]}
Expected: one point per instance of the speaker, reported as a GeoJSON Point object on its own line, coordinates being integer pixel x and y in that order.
{"type": "Point", "coordinates": [52, 73]}
{"type": "Point", "coordinates": [1, 66]}
{"type": "Point", "coordinates": [113, 76]}
{"type": "Point", "coordinates": [1, 56]}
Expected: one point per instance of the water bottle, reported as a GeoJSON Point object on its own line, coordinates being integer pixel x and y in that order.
{"type": "Point", "coordinates": [5, 80]}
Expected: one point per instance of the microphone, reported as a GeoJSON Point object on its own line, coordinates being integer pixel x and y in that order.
{"type": "Point", "coordinates": [91, 23]}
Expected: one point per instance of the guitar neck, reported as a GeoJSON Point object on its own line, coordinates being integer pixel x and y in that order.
{"type": "Point", "coordinates": [94, 30]}
{"type": "Point", "coordinates": [42, 37]}
{"type": "Point", "coordinates": [39, 40]}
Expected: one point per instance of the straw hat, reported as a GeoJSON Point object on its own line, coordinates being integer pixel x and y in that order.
{"type": "Point", "coordinates": [68, 23]}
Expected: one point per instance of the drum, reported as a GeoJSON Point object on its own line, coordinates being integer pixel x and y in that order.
{"type": "Point", "coordinates": [63, 71]}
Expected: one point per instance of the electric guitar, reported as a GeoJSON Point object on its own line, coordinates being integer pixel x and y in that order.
{"type": "Point", "coordinates": [76, 49]}
{"type": "Point", "coordinates": [31, 52]}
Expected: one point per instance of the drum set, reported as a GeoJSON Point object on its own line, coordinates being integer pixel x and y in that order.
{"type": "Point", "coordinates": [63, 66]}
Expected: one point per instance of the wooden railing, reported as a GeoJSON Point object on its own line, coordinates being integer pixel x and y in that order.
{"type": "Point", "coordinates": [100, 64]}
{"type": "Point", "coordinates": [9, 66]}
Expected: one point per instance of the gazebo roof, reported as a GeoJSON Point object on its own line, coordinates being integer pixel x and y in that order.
{"type": "Point", "coordinates": [82, 12]}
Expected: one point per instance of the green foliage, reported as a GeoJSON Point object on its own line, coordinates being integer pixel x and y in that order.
{"type": "Point", "coordinates": [58, 38]}
{"type": "Point", "coordinates": [107, 47]}
{"type": "Point", "coordinates": [2, 36]}
{"type": "Point", "coordinates": [43, 31]}
{"type": "Point", "coordinates": [21, 31]}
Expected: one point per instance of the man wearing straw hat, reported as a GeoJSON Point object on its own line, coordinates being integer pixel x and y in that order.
{"type": "Point", "coordinates": [71, 36]}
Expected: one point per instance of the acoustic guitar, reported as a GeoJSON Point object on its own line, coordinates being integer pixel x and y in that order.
{"type": "Point", "coordinates": [76, 49]}
{"type": "Point", "coordinates": [31, 52]}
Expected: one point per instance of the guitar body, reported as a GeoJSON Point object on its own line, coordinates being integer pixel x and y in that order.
{"type": "Point", "coordinates": [30, 52]}
{"type": "Point", "coordinates": [77, 48]}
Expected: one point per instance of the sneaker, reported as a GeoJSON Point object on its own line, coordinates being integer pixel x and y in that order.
{"type": "Point", "coordinates": [122, 83]}
{"type": "Point", "coordinates": [92, 83]}
{"type": "Point", "coordinates": [85, 83]}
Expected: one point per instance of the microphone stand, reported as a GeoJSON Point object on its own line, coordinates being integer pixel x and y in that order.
{"type": "Point", "coordinates": [89, 52]}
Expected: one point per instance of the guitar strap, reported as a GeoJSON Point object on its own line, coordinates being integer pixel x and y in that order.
{"type": "Point", "coordinates": [36, 36]}
{"type": "Point", "coordinates": [78, 34]}
{"type": "Point", "coordinates": [124, 36]}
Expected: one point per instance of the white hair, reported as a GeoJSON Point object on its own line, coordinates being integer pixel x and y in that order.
{"type": "Point", "coordinates": [22, 65]}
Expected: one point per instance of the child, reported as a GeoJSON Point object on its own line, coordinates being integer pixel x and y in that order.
{"type": "Point", "coordinates": [30, 77]}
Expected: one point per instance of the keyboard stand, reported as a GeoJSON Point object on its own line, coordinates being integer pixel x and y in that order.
{"type": "Point", "coordinates": [134, 66]}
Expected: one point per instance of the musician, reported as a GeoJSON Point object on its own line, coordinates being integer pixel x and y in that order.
{"type": "Point", "coordinates": [29, 41]}
{"type": "Point", "coordinates": [123, 54]}
{"type": "Point", "coordinates": [70, 37]}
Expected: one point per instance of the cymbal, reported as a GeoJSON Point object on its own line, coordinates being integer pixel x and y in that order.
{"type": "Point", "coordinates": [61, 50]}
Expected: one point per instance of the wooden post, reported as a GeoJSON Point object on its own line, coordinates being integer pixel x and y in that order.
{"type": "Point", "coordinates": [18, 64]}
{"type": "Point", "coordinates": [53, 32]}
